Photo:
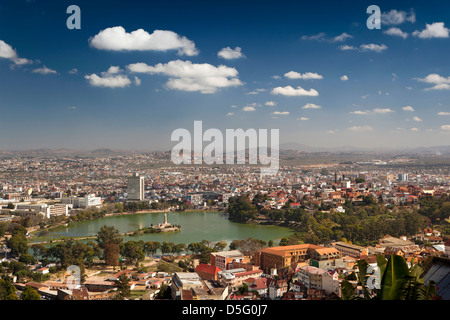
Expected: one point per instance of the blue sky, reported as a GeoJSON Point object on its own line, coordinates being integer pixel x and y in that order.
{"type": "Point", "coordinates": [311, 69]}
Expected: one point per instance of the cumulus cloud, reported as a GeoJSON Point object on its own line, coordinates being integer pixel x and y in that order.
{"type": "Point", "coordinates": [311, 106]}
{"type": "Point", "coordinates": [445, 127]}
{"type": "Point", "coordinates": [414, 129]}
{"type": "Point", "coordinates": [305, 76]}
{"type": "Point", "coordinates": [248, 108]}
{"type": "Point", "coordinates": [188, 76]}
{"type": "Point", "coordinates": [44, 70]}
{"type": "Point", "coordinates": [230, 114]}
{"type": "Point", "coordinates": [373, 47]}
{"type": "Point", "coordinates": [282, 113]}
{"type": "Point", "coordinates": [360, 128]}
{"type": "Point", "coordinates": [303, 119]}
{"type": "Point", "coordinates": [442, 113]}
{"type": "Point", "coordinates": [434, 30]}
{"type": "Point", "coordinates": [7, 52]}
{"type": "Point", "coordinates": [228, 53]}
{"type": "Point", "coordinates": [344, 78]}
{"type": "Point", "coordinates": [408, 108]}
{"type": "Point", "coordinates": [417, 119]}
{"type": "Point", "coordinates": [395, 17]}
{"type": "Point", "coordinates": [397, 32]}
{"type": "Point", "coordinates": [270, 103]}
{"type": "Point", "coordinates": [323, 37]}
{"type": "Point", "coordinates": [117, 39]}
{"type": "Point", "coordinates": [440, 82]}
{"type": "Point", "coordinates": [373, 111]}
{"type": "Point", "coordinates": [110, 79]}
{"type": "Point", "coordinates": [382, 111]}
{"type": "Point", "coordinates": [290, 91]}
{"type": "Point", "coordinates": [365, 47]}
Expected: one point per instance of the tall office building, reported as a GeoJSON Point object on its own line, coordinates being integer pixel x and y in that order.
{"type": "Point", "coordinates": [402, 177]}
{"type": "Point", "coordinates": [136, 187]}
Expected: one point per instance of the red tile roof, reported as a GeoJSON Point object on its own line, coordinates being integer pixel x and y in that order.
{"type": "Point", "coordinates": [206, 268]}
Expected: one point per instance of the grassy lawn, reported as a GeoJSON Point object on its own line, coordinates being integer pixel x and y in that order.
{"type": "Point", "coordinates": [136, 294]}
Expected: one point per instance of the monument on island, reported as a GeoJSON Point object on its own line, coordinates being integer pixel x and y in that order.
{"type": "Point", "coordinates": [165, 226]}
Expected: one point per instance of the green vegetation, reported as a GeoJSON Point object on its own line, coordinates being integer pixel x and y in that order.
{"type": "Point", "coordinates": [398, 282]}
{"type": "Point", "coordinates": [362, 223]}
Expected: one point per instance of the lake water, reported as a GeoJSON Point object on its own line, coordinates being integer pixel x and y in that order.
{"type": "Point", "coordinates": [195, 227]}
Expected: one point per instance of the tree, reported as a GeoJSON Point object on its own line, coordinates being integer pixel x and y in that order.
{"type": "Point", "coordinates": [112, 254]}
{"type": "Point", "coordinates": [108, 234]}
{"type": "Point", "coordinates": [132, 251]}
{"type": "Point", "coordinates": [123, 287]}
{"type": "Point", "coordinates": [38, 250]}
{"type": "Point", "coordinates": [10, 206]}
{"type": "Point", "coordinates": [7, 289]}
{"type": "Point", "coordinates": [29, 293]}
{"type": "Point", "coordinates": [18, 242]}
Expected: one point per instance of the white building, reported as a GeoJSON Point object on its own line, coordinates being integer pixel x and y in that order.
{"type": "Point", "coordinates": [90, 200]}
{"type": "Point", "coordinates": [330, 282]}
{"type": "Point", "coordinates": [57, 210]}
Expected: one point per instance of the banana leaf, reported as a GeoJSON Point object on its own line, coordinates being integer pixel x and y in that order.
{"type": "Point", "coordinates": [394, 278]}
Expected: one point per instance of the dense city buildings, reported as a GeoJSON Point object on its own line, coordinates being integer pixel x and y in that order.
{"type": "Point", "coordinates": [402, 209]}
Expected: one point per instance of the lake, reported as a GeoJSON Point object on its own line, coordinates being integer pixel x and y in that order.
{"type": "Point", "coordinates": [195, 227]}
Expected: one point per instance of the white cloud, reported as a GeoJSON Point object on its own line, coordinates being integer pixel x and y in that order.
{"type": "Point", "coordinates": [118, 81]}
{"type": "Point", "coordinates": [344, 78]}
{"type": "Point", "coordinates": [445, 127]}
{"type": "Point", "coordinates": [270, 103]}
{"type": "Point", "coordinates": [323, 37]}
{"type": "Point", "coordinates": [72, 108]}
{"type": "Point", "coordinates": [414, 129]}
{"type": "Point", "coordinates": [117, 39]}
{"type": "Point", "coordinates": [248, 108]}
{"type": "Point", "coordinates": [111, 79]}
{"type": "Point", "coordinates": [440, 82]}
{"type": "Point", "coordinates": [443, 113]}
{"type": "Point", "coordinates": [347, 47]}
{"type": "Point", "coordinates": [395, 17]}
{"type": "Point", "coordinates": [408, 108]}
{"type": "Point", "coordinates": [188, 76]}
{"type": "Point", "coordinates": [397, 32]}
{"type": "Point", "coordinates": [290, 91]}
{"type": "Point", "coordinates": [360, 112]}
{"type": "Point", "coordinates": [44, 70]}
{"type": "Point", "coordinates": [342, 37]}
{"type": "Point", "coordinates": [361, 128]}
{"type": "Point", "coordinates": [417, 119]}
{"type": "Point", "coordinates": [303, 119]}
{"type": "Point", "coordinates": [230, 114]}
{"type": "Point", "coordinates": [311, 106]}
{"type": "Point", "coordinates": [276, 77]}
{"type": "Point", "coordinates": [228, 53]}
{"type": "Point", "coordinates": [373, 111]}
{"type": "Point", "coordinates": [373, 47]}
{"type": "Point", "coordinates": [365, 47]}
{"type": "Point", "coordinates": [137, 81]}
{"type": "Point", "coordinates": [282, 113]}
{"type": "Point", "coordinates": [305, 76]}
{"type": "Point", "coordinates": [7, 52]}
{"type": "Point", "coordinates": [73, 71]}
{"type": "Point", "coordinates": [434, 30]}
{"type": "Point", "coordinates": [382, 111]}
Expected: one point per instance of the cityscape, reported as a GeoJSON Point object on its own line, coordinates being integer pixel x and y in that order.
{"type": "Point", "coordinates": [248, 154]}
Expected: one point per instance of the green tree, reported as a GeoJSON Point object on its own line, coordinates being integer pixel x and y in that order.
{"type": "Point", "coordinates": [29, 293]}
{"type": "Point", "coordinates": [123, 287]}
{"type": "Point", "coordinates": [108, 234]}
